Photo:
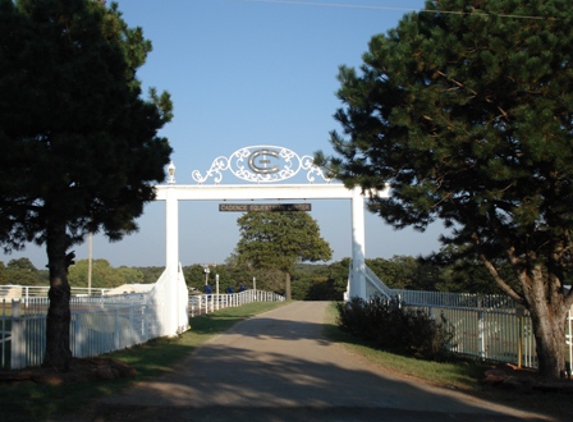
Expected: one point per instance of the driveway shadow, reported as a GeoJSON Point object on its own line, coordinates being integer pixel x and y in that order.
{"type": "Point", "coordinates": [279, 367]}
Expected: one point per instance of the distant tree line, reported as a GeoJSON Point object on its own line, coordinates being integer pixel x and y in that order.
{"type": "Point", "coordinates": [309, 281]}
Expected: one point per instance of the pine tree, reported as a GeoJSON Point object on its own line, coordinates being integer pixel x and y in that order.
{"type": "Point", "coordinates": [466, 110]}
{"type": "Point", "coordinates": [79, 150]}
{"type": "Point", "coordinates": [280, 240]}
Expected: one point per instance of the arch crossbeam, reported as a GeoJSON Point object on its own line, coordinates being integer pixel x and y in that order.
{"type": "Point", "coordinates": [256, 192]}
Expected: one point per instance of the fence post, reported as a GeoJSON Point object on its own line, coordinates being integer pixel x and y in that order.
{"type": "Point", "coordinates": [116, 334]}
{"type": "Point", "coordinates": [132, 333]}
{"type": "Point", "coordinates": [217, 290]}
{"type": "Point", "coordinates": [18, 342]}
{"type": "Point", "coordinates": [144, 324]}
{"type": "Point", "coordinates": [519, 313]}
{"type": "Point", "coordinates": [78, 337]}
{"type": "Point", "coordinates": [481, 334]}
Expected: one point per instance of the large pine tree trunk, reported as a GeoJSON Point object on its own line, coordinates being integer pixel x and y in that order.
{"type": "Point", "coordinates": [546, 304]}
{"type": "Point", "coordinates": [550, 343]}
{"type": "Point", "coordinates": [58, 353]}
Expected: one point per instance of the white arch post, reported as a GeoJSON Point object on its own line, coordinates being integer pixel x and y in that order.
{"type": "Point", "coordinates": [172, 256]}
{"type": "Point", "coordinates": [358, 282]}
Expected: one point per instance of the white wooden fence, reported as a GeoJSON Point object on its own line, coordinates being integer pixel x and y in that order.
{"type": "Point", "coordinates": [489, 327]}
{"type": "Point", "coordinates": [499, 334]}
{"type": "Point", "coordinates": [199, 304]}
{"type": "Point", "coordinates": [99, 324]}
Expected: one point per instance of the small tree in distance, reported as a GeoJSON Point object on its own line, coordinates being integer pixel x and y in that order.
{"type": "Point", "coordinates": [279, 240]}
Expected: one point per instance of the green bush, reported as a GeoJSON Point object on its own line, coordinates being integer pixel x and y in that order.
{"type": "Point", "coordinates": [389, 326]}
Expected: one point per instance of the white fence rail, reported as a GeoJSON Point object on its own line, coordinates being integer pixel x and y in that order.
{"type": "Point", "coordinates": [375, 286]}
{"type": "Point", "coordinates": [489, 327]}
{"type": "Point", "coordinates": [499, 335]}
{"type": "Point", "coordinates": [455, 300]}
{"type": "Point", "coordinates": [99, 324]}
{"type": "Point", "coordinates": [199, 304]}
{"type": "Point", "coordinates": [12, 291]}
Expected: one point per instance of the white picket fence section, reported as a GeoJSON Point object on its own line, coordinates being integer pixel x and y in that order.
{"type": "Point", "coordinates": [98, 325]}
{"type": "Point", "coordinates": [488, 327]}
{"type": "Point", "coordinates": [200, 304]}
{"type": "Point", "coordinates": [102, 324]}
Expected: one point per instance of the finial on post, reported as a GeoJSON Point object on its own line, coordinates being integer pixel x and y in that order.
{"type": "Point", "coordinates": [171, 171]}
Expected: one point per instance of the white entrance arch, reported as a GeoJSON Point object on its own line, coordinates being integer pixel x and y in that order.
{"type": "Point", "coordinates": [262, 166]}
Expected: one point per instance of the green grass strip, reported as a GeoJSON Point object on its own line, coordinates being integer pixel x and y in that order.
{"type": "Point", "coordinates": [458, 374]}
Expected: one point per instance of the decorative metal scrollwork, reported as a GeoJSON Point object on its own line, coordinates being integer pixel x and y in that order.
{"type": "Point", "coordinates": [262, 164]}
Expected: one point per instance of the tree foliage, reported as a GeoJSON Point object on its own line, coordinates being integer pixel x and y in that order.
{"type": "Point", "coordinates": [468, 115]}
{"type": "Point", "coordinates": [150, 274]}
{"type": "Point", "coordinates": [79, 150]}
{"type": "Point", "coordinates": [194, 276]}
{"type": "Point", "coordinates": [401, 272]}
{"type": "Point", "coordinates": [21, 271]}
{"type": "Point", "coordinates": [462, 273]}
{"type": "Point", "coordinates": [103, 275]}
{"type": "Point", "coordinates": [322, 282]}
{"type": "Point", "coordinates": [280, 240]}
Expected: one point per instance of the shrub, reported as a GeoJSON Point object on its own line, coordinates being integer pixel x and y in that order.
{"type": "Point", "coordinates": [389, 326]}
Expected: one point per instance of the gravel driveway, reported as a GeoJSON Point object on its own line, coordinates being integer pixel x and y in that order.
{"type": "Point", "coordinates": [277, 367]}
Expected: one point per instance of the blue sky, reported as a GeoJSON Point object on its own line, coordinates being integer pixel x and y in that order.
{"type": "Point", "coordinates": [241, 73]}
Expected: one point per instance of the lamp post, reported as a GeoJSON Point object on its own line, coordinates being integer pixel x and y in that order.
{"type": "Point", "coordinates": [206, 270]}
{"type": "Point", "coordinates": [90, 258]}
{"type": "Point", "coordinates": [217, 290]}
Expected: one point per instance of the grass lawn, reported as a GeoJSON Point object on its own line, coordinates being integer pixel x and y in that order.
{"type": "Point", "coordinates": [464, 375]}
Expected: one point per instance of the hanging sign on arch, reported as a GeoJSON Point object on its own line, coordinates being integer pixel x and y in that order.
{"type": "Point", "coordinates": [264, 207]}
